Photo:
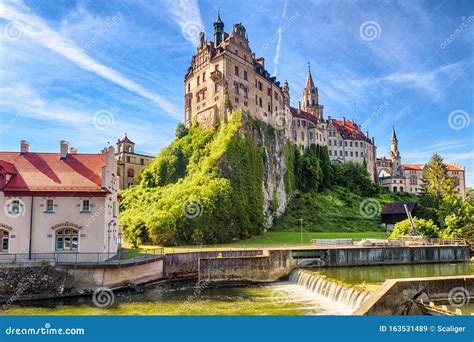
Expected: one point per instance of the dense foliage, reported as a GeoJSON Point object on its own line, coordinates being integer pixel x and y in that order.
{"type": "Point", "coordinates": [438, 201]}
{"type": "Point", "coordinates": [187, 196]}
{"type": "Point", "coordinates": [425, 228]}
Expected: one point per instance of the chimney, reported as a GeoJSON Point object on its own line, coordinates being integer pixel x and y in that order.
{"type": "Point", "coordinates": [367, 134]}
{"type": "Point", "coordinates": [73, 150]}
{"type": "Point", "coordinates": [64, 146]}
{"type": "Point", "coordinates": [24, 147]}
{"type": "Point", "coordinates": [299, 105]}
{"type": "Point", "coordinates": [344, 120]}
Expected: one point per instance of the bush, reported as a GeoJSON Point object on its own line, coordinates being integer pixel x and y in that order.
{"type": "Point", "coordinates": [425, 228]}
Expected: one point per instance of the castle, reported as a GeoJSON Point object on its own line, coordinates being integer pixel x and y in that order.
{"type": "Point", "coordinates": [225, 74]}
{"type": "Point", "coordinates": [398, 177]}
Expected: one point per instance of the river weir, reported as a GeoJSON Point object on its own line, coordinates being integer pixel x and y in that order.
{"type": "Point", "coordinates": [347, 296]}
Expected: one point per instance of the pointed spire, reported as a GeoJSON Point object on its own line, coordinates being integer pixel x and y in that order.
{"type": "Point", "coordinates": [219, 20]}
{"type": "Point", "coordinates": [394, 135]}
{"type": "Point", "coordinates": [309, 81]}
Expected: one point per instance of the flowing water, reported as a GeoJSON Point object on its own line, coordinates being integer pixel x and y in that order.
{"type": "Point", "coordinates": [336, 291]}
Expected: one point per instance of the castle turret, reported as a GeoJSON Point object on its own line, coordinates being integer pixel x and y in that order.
{"type": "Point", "coordinates": [218, 29]}
{"type": "Point", "coordinates": [395, 154]}
{"type": "Point", "coordinates": [310, 97]}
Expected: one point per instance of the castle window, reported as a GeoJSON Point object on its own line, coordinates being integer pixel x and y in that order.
{"type": "Point", "coordinates": [330, 142]}
{"type": "Point", "coordinates": [203, 76]}
{"type": "Point", "coordinates": [346, 153]}
{"type": "Point", "coordinates": [302, 136]}
{"type": "Point", "coordinates": [189, 87]}
{"type": "Point", "coordinates": [340, 142]}
{"type": "Point", "coordinates": [294, 135]}
{"type": "Point", "coordinates": [130, 173]}
{"type": "Point", "coordinates": [340, 153]}
{"type": "Point", "coordinates": [456, 181]}
{"type": "Point", "coordinates": [269, 107]}
{"type": "Point", "coordinates": [356, 144]}
{"type": "Point", "coordinates": [413, 180]}
{"type": "Point", "coordinates": [260, 102]}
{"type": "Point", "coordinates": [236, 70]}
{"type": "Point", "coordinates": [5, 236]}
{"type": "Point", "coordinates": [269, 91]}
{"type": "Point", "coordinates": [260, 86]}
{"type": "Point", "coordinates": [217, 87]}
{"type": "Point", "coordinates": [352, 154]}
{"type": "Point", "coordinates": [330, 152]}
{"type": "Point", "coordinates": [345, 143]}
{"type": "Point", "coordinates": [216, 67]}
{"type": "Point", "coordinates": [311, 136]}
{"type": "Point", "coordinates": [245, 75]}
{"type": "Point", "coordinates": [246, 93]}
{"type": "Point", "coordinates": [142, 161]}
{"type": "Point", "coordinates": [350, 144]}
{"type": "Point", "coordinates": [198, 80]}
{"type": "Point", "coordinates": [128, 159]}
{"type": "Point", "coordinates": [236, 88]}
{"type": "Point", "coordinates": [357, 154]}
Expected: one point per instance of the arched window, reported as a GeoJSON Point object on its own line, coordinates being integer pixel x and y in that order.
{"type": "Point", "coordinates": [67, 239]}
{"type": "Point", "coordinates": [456, 181]}
{"type": "Point", "coordinates": [401, 189]}
{"type": "Point", "coordinates": [119, 172]}
{"type": "Point", "coordinates": [394, 189]}
{"type": "Point", "coordinates": [130, 173]}
{"type": "Point", "coordinates": [5, 236]}
{"type": "Point", "coordinates": [413, 180]}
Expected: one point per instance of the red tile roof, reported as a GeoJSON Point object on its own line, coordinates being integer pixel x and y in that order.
{"type": "Point", "coordinates": [297, 113]}
{"type": "Point", "coordinates": [349, 130]}
{"type": "Point", "coordinates": [419, 167]}
{"type": "Point", "coordinates": [46, 172]}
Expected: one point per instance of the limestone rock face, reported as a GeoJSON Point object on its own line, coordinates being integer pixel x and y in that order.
{"type": "Point", "coordinates": [273, 186]}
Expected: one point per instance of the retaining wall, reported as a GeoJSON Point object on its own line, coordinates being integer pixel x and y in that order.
{"type": "Point", "coordinates": [395, 255]}
{"type": "Point", "coordinates": [270, 266]}
{"type": "Point", "coordinates": [396, 296]}
{"type": "Point", "coordinates": [182, 264]}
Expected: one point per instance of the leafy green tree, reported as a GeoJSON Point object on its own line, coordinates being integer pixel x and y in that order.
{"type": "Point", "coordinates": [311, 172]}
{"type": "Point", "coordinates": [460, 219]}
{"type": "Point", "coordinates": [436, 188]}
{"type": "Point", "coordinates": [426, 228]}
{"type": "Point", "coordinates": [181, 131]}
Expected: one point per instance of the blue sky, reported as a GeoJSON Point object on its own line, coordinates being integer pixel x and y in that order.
{"type": "Point", "coordinates": [88, 71]}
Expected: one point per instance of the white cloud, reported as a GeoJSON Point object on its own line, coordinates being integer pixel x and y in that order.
{"type": "Point", "coordinates": [187, 15]}
{"type": "Point", "coordinates": [37, 29]}
{"type": "Point", "coordinates": [276, 60]}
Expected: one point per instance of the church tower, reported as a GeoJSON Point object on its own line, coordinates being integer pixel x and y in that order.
{"type": "Point", "coordinates": [310, 97]}
{"type": "Point", "coordinates": [395, 154]}
{"type": "Point", "coordinates": [218, 29]}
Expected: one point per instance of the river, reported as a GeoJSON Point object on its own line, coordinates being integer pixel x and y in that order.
{"type": "Point", "coordinates": [300, 295]}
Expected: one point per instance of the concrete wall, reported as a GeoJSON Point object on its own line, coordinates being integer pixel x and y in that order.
{"type": "Point", "coordinates": [113, 276]}
{"type": "Point", "coordinates": [396, 296]}
{"type": "Point", "coordinates": [396, 255]}
{"type": "Point", "coordinates": [270, 266]}
{"type": "Point", "coordinates": [182, 264]}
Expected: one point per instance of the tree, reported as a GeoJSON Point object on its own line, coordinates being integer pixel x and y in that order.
{"type": "Point", "coordinates": [425, 228]}
{"type": "Point", "coordinates": [311, 169]}
{"type": "Point", "coordinates": [459, 220]}
{"type": "Point", "coordinates": [436, 188]}
{"type": "Point", "coordinates": [181, 131]}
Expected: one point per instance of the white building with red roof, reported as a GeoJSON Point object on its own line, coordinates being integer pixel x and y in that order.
{"type": "Point", "coordinates": [398, 177]}
{"type": "Point", "coordinates": [58, 205]}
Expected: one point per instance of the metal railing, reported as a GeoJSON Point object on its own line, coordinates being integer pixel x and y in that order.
{"type": "Point", "coordinates": [127, 257]}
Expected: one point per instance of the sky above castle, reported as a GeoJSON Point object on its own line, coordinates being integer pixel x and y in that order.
{"type": "Point", "coordinates": [88, 71]}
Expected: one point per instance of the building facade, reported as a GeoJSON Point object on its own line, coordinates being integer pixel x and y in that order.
{"type": "Point", "coordinates": [225, 74]}
{"type": "Point", "coordinates": [63, 203]}
{"type": "Point", "coordinates": [129, 162]}
{"type": "Point", "coordinates": [398, 177]}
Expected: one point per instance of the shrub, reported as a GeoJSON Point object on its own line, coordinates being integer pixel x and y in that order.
{"type": "Point", "coordinates": [425, 228]}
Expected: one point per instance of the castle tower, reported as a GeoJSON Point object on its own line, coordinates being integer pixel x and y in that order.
{"type": "Point", "coordinates": [310, 97]}
{"type": "Point", "coordinates": [395, 154]}
{"type": "Point", "coordinates": [218, 29]}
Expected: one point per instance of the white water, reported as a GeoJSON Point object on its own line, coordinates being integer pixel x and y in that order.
{"type": "Point", "coordinates": [325, 296]}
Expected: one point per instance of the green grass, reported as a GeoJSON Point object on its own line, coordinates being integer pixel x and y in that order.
{"type": "Point", "coordinates": [283, 238]}
{"type": "Point", "coordinates": [268, 239]}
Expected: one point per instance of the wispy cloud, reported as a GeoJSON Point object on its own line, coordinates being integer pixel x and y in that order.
{"type": "Point", "coordinates": [37, 29]}
{"type": "Point", "coordinates": [426, 152]}
{"type": "Point", "coordinates": [187, 15]}
{"type": "Point", "coordinates": [276, 60]}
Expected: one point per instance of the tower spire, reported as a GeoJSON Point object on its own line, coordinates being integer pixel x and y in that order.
{"type": "Point", "coordinates": [309, 80]}
{"type": "Point", "coordinates": [218, 29]}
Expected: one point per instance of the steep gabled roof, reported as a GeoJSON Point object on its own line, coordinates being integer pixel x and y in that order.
{"type": "Point", "coordinates": [419, 167]}
{"type": "Point", "coordinates": [46, 172]}
{"type": "Point", "coordinates": [398, 208]}
{"type": "Point", "coordinates": [297, 113]}
{"type": "Point", "coordinates": [348, 130]}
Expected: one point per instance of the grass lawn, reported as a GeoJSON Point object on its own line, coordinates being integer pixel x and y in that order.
{"type": "Point", "coordinates": [272, 239]}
